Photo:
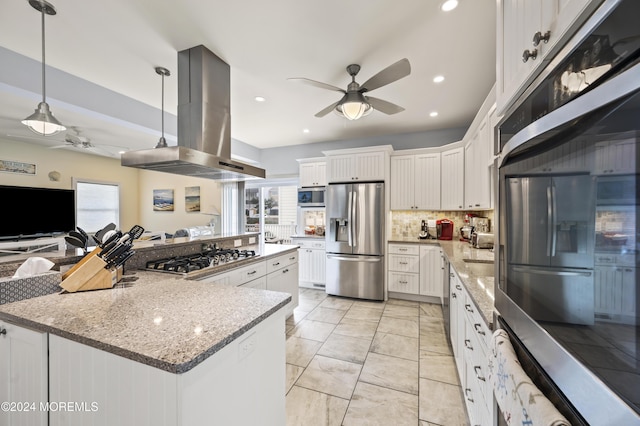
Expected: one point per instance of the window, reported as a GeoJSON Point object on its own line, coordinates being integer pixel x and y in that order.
{"type": "Point", "coordinates": [272, 209]}
{"type": "Point", "coordinates": [97, 204]}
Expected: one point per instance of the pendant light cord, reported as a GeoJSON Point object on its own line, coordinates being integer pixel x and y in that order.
{"type": "Point", "coordinates": [162, 143]}
{"type": "Point", "coordinates": [44, 84]}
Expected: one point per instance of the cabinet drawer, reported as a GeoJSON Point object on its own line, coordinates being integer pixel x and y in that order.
{"type": "Point", "coordinates": [260, 283]}
{"type": "Point", "coordinates": [476, 322]}
{"type": "Point", "coordinates": [404, 282]}
{"type": "Point", "coordinates": [309, 243]}
{"type": "Point", "coordinates": [281, 261]}
{"type": "Point", "coordinates": [404, 263]}
{"type": "Point", "coordinates": [412, 249]}
{"type": "Point", "coordinates": [250, 272]}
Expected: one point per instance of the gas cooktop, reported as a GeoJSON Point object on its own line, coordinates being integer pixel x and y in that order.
{"type": "Point", "coordinates": [207, 259]}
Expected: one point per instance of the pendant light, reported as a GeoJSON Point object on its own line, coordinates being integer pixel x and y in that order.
{"type": "Point", "coordinates": [162, 143]}
{"type": "Point", "coordinates": [42, 120]}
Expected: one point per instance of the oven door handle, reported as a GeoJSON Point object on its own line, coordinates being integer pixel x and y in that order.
{"type": "Point", "coordinates": [543, 271]}
{"type": "Point", "coordinates": [554, 221]}
{"type": "Point", "coordinates": [549, 220]}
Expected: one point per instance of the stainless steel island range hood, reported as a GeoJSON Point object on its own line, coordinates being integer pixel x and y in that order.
{"type": "Point", "coordinates": [204, 124]}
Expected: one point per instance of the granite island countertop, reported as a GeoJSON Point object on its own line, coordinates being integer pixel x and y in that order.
{"type": "Point", "coordinates": [161, 320]}
{"type": "Point", "coordinates": [475, 267]}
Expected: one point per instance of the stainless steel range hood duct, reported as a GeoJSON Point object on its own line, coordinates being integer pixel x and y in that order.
{"type": "Point", "coordinates": [204, 124]}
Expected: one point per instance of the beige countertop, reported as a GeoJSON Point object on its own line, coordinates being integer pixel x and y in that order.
{"type": "Point", "coordinates": [161, 320]}
{"type": "Point", "coordinates": [475, 267]}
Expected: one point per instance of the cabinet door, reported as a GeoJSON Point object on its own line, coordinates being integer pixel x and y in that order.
{"type": "Point", "coordinates": [617, 157]}
{"type": "Point", "coordinates": [402, 182]}
{"type": "Point", "coordinates": [24, 374]}
{"type": "Point", "coordinates": [453, 179]}
{"type": "Point", "coordinates": [471, 173]}
{"type": "Point", "coordinates": [369, 166]}
{"type": "Point", "coordinates": [431, 271]}
{"type": "Point", "coordinates": [285, 280]}
{"type": "Point", "coordinates": [308, 174]}
{"type": "Point", "coordinates": [427, 181]}
{"type": "Point", "coordinates": [615, 294]}
{"type": "Point", "coordinates": [321, 174]}
{"type": "Point", "coordinates": [312, 267]}
{"type": "Point", "coordinates": [340, 168]}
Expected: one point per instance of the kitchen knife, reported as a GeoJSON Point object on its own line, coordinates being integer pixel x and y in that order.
{"type": "Point", "coordinates": [84, 235]}
{"type": "Point", "coordinates": [120, 260]}
{"type": "Point", "coordinates": [118, 250]}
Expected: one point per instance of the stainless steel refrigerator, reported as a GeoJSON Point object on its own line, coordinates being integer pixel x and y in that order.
{"type": "Point", "coordinates": [355, 240]}
{"type": "Point", "coordinates": [551, 246]}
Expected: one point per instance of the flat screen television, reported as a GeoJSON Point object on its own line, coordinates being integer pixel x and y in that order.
{"type": "Point", "coordinates": [36, 212]}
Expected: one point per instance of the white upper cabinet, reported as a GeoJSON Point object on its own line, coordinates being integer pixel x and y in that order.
{"type": "Point", "coordinates": [358, 165]}
{"type": "Point", "coordinates": [452, 175]}
{"type": "Point", "coordinates": [415, 182]}
{"type": "Point", "coordinates": [529, 33]}
{"type": "Point", "coordinates": [313, 173]}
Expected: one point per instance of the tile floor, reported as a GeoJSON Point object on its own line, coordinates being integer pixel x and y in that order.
{"type": "Point", "coordinates": [353, 362]}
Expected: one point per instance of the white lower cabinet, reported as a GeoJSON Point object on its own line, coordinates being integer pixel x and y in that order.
{"type": "Point", "coordinates": [279, 273]}
{"type": "Point", "coordinates": [415, 269]}
{"type": "Point", "coordinates": [23, 375]}
{"type": "Point", "coordinates": [470, 342]}
{"type": "Point", "coordinates": [282, 275]}
{"type": "Point", "coordinates": [312, 259]}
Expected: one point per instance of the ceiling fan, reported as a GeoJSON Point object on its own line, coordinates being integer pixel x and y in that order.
{"type": "Point", "coordinates": [354, 104]}
{"type": "Point", "coordinates": [80, 142]}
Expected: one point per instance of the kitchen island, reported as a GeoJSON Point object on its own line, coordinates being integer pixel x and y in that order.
{"type": "Point", "coordinates": [160, 350]}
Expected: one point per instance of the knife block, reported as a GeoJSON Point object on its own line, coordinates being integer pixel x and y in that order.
{"type": "Point", "coordinates": [90, 274]}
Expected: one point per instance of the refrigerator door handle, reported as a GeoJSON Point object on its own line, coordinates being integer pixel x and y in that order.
{"type": "Point", "coordinates": [354, 259]}
{"type": "Point", "coordinates": [549, 220]}
{"type": "Point", "coordinates": [554, 220]}
{"type": "Point", "coordinates": [354, 218]}
{"type": "Point", "coordinates": [542, 271]}
{"type": "Point", "coordinates": [350, 219]}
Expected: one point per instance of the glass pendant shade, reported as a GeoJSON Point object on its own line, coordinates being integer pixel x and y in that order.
{"type": "Point", "coordinates": [43, 122]}
{"type": "Point", "coordinates": [354, 107]}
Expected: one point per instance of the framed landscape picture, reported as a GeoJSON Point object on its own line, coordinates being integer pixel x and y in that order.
{"type": "Point", "coordinates": [163, 200]}
{"type": "Point", "coordinates": [192, 198]}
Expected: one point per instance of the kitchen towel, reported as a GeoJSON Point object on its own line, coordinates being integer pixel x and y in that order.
{"type": "Point", "coordinates": [521, 402]}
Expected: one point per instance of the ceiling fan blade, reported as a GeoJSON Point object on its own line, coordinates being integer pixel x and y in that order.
{"type": "Point", "coordinates": [392, 73]}
{"type": "Point", "coordinates": [317, 84]}
{"type": "Point", "coordinates": [328, 109]}
{"type": "Point", "coordinates": [384, 106]}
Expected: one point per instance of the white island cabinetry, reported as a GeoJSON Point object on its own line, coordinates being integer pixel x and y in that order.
{"type": "Point", "coordinates": [23, 375]}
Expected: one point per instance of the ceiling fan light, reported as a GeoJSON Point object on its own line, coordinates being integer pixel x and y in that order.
{"type": "Point", "coordinates": [449, 5]}
{"type": "Point", "coordinates": [43, 122]}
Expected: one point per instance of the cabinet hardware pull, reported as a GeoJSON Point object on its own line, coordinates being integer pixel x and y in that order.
{"type": "Point", "coordinates": [3, 330]}
{"type": "Point", "coordinates": [538, 37]}
{"type": "Point", "coordinates": [403, 282]}
{"type": "Point", "coordinates": [292, 258]}
{"type": "Point", "coordinates": [458, 287]}
{"type": "Point", "coordinates": [476, 368]}
{"type": "Point", "coordinates": [276, 264]}
{"type": "Point", "coordinates": [284, 271]}
{"type": "Point", "coordinates": [526, 55]}
{"type": "Point", "coordinates": [451, 274]}
{"type": "Point", "coordinates": [251, 273]}
{"type": "Point", "coordinates": [467, 343]}
{"type": "Point", "coordinates": [404, 263]}
{"type": "Point", "coordinates": [478, 328]}
{"type": "Point", "coordinates": [466, 393]}
{"type": "Point", "coordinates": [468, 308]}
{"type": "Point", "coordinates": [455, 296]}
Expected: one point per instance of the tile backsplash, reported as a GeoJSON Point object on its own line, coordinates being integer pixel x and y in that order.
{"type": "Point", "coordinates": [406, 223]}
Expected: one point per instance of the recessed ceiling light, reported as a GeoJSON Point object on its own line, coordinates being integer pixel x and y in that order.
{"type": "Point", "coordinates": [449, 5]}
{"type": "Point", "coordinates": [305, 130]}
{"type": "Point", "coordinates": [438, 79]}
{"type": "Point", "coordinates": [434, 114]}
{"type": "Point", "coordinates": [260, 99]}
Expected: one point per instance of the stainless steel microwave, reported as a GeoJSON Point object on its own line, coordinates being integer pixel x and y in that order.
{"type": "Point", "coordinates": [311, 197]}
{"type": "Point", "coordinates": [618, 190]}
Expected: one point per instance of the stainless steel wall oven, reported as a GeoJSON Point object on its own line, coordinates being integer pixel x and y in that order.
{"type": "Point", "coordinates": [567, 258]}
